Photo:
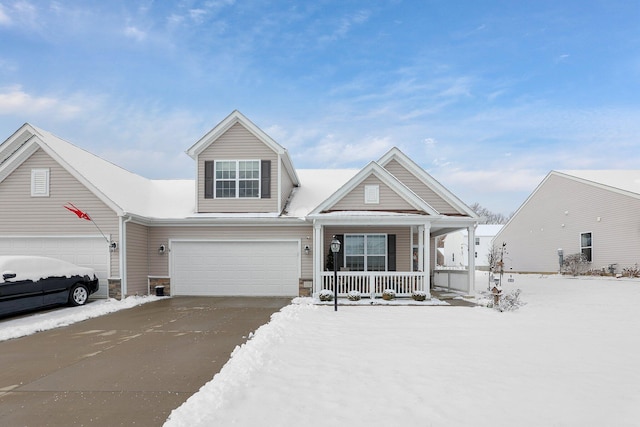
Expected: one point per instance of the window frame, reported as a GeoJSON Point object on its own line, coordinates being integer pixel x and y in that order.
{"type": "Point", "coordinates": [366, 255]}
{"type": "Point", "coordinates": [237, 179]}
{"type": "Point", "coordinates": [585, 248]}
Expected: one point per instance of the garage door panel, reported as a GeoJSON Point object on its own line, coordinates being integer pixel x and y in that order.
{"type": "Point", "coordinates": [235, 268]}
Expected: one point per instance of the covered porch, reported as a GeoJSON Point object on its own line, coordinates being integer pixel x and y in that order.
{"type": "Point", "coordinates": [382, 250]}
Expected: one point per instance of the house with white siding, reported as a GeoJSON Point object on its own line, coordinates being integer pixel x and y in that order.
{"type": "Point", "coordinates": [249, 224]}
{"type": "Point", "coordinates": [593, 212]}
{"type": "Point", "coordinates": [456, 252]}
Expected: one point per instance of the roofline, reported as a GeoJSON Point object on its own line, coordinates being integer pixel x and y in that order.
{"type": "Point", "coordinates": [237, 117]}
{"type": "Point", "coordinates": [396, 154]}
{"type": "Point", "coordinates": [596, 184]}
{"type": "Point", "coordinates": [387, 178]}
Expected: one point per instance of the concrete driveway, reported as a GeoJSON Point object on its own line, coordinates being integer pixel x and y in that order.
{"type": "Point", "coordinates": [128, 368]}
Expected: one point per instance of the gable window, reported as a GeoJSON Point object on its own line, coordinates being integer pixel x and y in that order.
{"type": "Point", "coordinates": [236, 179]}
{"type": "Point", "coordinates": [40, 182]}
{"type": "Point", "coordinates": [477, 241]}
{"type": "Point", "coordinates": [585, 246]}
{"type": "Point", "coordinates": [365, 252]}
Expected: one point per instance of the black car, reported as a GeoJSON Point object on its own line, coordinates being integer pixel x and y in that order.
{"type": "Point", "coordinates": [31, 282]}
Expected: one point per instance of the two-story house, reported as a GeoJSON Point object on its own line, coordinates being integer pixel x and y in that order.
{"type": "Point", "coordinates": [249, 224]}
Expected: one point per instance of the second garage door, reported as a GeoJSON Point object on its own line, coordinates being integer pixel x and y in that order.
{"type": "Point", "coordinates": [242, 268]}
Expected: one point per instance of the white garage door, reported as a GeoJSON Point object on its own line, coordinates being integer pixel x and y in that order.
{"type": "Point", "coordinates": [256, 268]}
{"type": "Point", "coordinates": [83, 251]}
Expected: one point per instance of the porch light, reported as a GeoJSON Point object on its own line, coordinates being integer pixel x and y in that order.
{"type": "Point", "coordinates": [335, 248]}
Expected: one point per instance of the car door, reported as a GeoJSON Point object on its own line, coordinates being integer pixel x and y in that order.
{"type": "Point", "coordinates": [19, 295]}
{"type": "Point", "coordinates": [55, 290]}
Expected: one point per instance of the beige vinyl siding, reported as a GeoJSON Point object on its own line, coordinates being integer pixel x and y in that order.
{"type": "Point", "coordinates": [418, 187]}
{"type": "Point", "coordinates": [555, 216]}
{"type": "Point", "coordinates": [45, 216]}
{"type": "Point", "coordinates": [389, 199]}
{"type": "Point", "coordinates": [403, 241]}
{"type": "Point", "coordinates": [238, 144]}
{"type": "Point", "coordinates": [137, 259]}
{"type": "Point", "coordinates": [159, 263]}
{"type": "Point", "coordinates": [286, 185]}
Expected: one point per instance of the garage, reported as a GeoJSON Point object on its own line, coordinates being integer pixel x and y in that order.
{"type": "Point", "coordinates": [235, 268]}
{"type": "Point", "coordinates": [88, 251]}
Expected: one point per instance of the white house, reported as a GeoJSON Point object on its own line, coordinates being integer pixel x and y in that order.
{"type": "Point", "coordinates": [250, 223]}
{"type": "Point", "coordinates": [456, 253]}
{"type": "Point", "coordinates": [593, 212]}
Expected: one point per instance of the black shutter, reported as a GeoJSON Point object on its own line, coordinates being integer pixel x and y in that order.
{"type": "Point", "coordinates": [391, 252]}
{"type": "Point", "coordinates": [208, 179]}
{"type": "Point", "coordinates": [340, 261]}
{"type": "Point", "coordinates": [265, 179]}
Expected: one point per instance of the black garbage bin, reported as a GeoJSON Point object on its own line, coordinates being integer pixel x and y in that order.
{"type": "Point", "coordinates": [159, 291]}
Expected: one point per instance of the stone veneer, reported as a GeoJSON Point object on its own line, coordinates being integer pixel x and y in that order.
{"type": "Point", "coordinates": [115, 288]}
{"type": "Point", "coordinates": [160, 281]}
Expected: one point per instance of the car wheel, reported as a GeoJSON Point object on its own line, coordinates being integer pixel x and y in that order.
{"type": "Point", "coordinates": [78, 295]}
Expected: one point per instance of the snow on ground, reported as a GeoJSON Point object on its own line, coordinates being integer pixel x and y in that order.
{"type": "Point", "coordinates": [42, 321]}
{"type": "Point", "coordinates": [569, 357]}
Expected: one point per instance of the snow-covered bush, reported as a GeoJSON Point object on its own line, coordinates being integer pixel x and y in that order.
{"type": "Point", "coordinates": [326, 295]}
{"type": "Point", "coordinates": [419, 295]}
{"type": "Point", "coordinates": [575, 263]}
{"type": "Point", "coordinates": [632, 271]}
{"type": "Point", "coordinates": [508, 301]}
{"type": "Point", "coordinates": [353, 296]}
{"type": "Point", "coordinates": [388, 294]}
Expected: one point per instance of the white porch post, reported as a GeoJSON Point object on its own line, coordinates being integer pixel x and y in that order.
{"type": "Point", "coordinates": [471, 244]}
{"type": "Point", "coordinates": [421, 248]}
{"type": "Point", "coordinates": [318, 265]}
{"type": "Point", "coordinates": [426, 266]}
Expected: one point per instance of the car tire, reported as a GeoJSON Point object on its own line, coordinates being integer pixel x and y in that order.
{"type": "Point", "coordinates": [79, 295]}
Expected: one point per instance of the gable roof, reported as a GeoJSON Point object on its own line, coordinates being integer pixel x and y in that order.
{"type": "Point", "coordinates": [426, 179]}
{"type": "Point", "coordinates": [387, 178]}
{"type": "Point", "coordinates": [123, 191]}
{"type": "Point", "coordinates": [237, 117]}
{"type": "Point", "coordinates": [627, 181]}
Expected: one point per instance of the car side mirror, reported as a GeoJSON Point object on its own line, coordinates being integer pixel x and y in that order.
{"type": "Point", "coordinates": [7, 276]}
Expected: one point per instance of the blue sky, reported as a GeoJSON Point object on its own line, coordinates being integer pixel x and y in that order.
{"type": "Point", "coordinates": [487, 96]}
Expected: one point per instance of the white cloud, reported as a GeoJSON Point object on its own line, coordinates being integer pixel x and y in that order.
{"type": "Point", "coordinates": [15, 101]}
{"type": "Point", "coordinates": [4, 18]}
{"type": "Point", "coordinates": [135, 33]}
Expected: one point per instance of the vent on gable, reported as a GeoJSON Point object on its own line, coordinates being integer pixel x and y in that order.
{"type": "Point", "coordinates": [39, 182]}
{"type": "Point", "coordinates": [372, 194]}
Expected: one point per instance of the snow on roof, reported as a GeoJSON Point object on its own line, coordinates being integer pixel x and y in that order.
{"type": "Point", "coordinates": [316, 185]}
{"type": "Point", "coordinates": [129, 192]}
{"type": "Point", "coordinates": [627, 180]}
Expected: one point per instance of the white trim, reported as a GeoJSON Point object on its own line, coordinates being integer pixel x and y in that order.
{"type": "Point", "coordinates": [372, 194]}
{"type": "Point", "coordinates": [237, 178]}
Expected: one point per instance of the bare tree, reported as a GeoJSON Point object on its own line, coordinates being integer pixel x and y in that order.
{"type": "Point", "coordinates": [491, 217]}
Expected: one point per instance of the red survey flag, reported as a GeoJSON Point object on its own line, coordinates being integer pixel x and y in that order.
{"type": "Point", "coordinates": [81, 215]}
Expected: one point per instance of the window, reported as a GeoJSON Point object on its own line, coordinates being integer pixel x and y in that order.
{"type": "Point", "coordinates": [585, 246]}
{"type": "Point", "coordinates": [39, 182]}
{"type": "Point", "coordinates": [237, 179]}
{"type": "Point", "coordinates": [365, 252]}
{"type": "Point", "coordinates": [372, 194]}
{"type": "Point", "coordinates": [477, 241]}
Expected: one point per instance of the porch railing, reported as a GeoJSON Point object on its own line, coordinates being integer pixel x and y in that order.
{"type": "Point", "coordinates": [373, 283]}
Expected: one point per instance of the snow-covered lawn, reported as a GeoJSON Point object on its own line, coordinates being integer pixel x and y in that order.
{"type": "Point", "coordinates": [569, 357]}
{"type": "Point", "coordinates": [63, 316]}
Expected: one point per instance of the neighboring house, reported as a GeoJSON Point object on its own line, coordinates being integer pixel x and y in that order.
{"type": "Point", "coordinates": [593, 212]}
{"type": "Point", "coordinates": [250, 223]}
{"type": "Point", "coordinates": [456, 252]}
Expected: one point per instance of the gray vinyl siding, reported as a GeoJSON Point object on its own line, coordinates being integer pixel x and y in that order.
{"type": "Point", "coordinates": [23, 215]}
{"type": "Point", "coordinates": [555, 216]}
{"type": "Point", "coordinates": [389, 199]}
{"type": "Point", "coordinates": [159, 263]}
{"type": "Point", "coordinates": [238, 144]}
{"type": "Point", "coordinates": [403, 241]}
{"type": "Point", "coordinates": [422, 190]}
{"type": "Point", "coordinates": [137, 259]}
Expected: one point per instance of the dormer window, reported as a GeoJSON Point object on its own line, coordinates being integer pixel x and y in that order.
{"type": "Point", "coordinates": [39, 182]}
{"type": "Point", "coordinates": [237, 179]}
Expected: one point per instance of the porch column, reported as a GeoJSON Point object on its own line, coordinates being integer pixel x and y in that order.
{"type": "Point", "coordinates": [471, 244]}
{"type": "Point", "coordinates": [317, 258]}
{"type": "Point", "coordinates": [421, 248]}
{"type": "Point", "coordinates": [426, 267]}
